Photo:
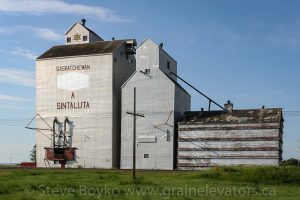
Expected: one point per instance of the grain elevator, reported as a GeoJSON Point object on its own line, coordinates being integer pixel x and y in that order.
{"type": "Point", "coordinates": [162, 100]}
{"type": "Point", "coordinates": [81, 81]}
{"type": "Point", "coordinates": [88, 90]}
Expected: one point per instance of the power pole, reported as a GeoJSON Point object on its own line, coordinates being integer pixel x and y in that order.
{"type": "Point", "coordinates": [134, 132]}
{"type": "Point", "coordinates": [298, 157]}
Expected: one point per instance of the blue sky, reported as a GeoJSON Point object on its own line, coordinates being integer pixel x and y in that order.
{"type": "Point", "coordinates": [245, 51]}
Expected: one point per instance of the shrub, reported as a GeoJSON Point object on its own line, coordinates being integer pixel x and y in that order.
{"type": "Point", "coordinates": [290, 162]}
{"type": "Point", "coordinates": [257, 175]}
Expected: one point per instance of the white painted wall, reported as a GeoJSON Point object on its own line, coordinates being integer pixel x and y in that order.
{"type": "Point", "coordinates": [97, 129]}
{"type": "Point", "coordinates": [198, 164]}
{"type": "Point", "coordinates": [150, 56]}
{"type": "Point", "coordinates": [92, 133]}
{"type": "Point", "coordinates": [164, 58]}
{"type": "Point", "coordinates": [156, 99]}
{"type": "Point", "coordinates": [206, 134]}
{"type": "Point", "coordinates": [79, 29]}
{"type": "Point", "coordinates": [228, 144]}
{"type": "Point", "coordinates": [124, 67]}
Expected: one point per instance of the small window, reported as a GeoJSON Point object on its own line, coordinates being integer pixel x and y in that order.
{"type": "Point", "coordinates": [147, 71]}
{"type": "Point", "coordinates": [146, 155]}
{"type": "Point", "coordinates": [68, 39]}
{"type": "Point", "coordinates": [168, 64]}
{"type": "Point", "coordinates": [84, 38]}
{"type": "Point", "coordinates": [168, 136]}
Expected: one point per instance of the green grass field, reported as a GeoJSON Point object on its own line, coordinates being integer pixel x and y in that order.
{"type": "Point", "coordinates": [217, 183]}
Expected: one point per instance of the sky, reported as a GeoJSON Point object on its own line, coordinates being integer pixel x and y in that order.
{"type": "Point", "coordinates": [244, 51]}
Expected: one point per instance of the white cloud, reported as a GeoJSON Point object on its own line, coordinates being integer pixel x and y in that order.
{"type": "Point", "coordinates": [40, 7]}
{"type": "Point", "coordinates": [44, 33]}
{"type": "Point", "coordinates": [13, 98]}
{"type": "Point", "coordinates": [14, 107]}
{"type": "Point", "coordinates": [25, 53]}
{"type": "Point", "coordinates": [17, 76]}
{"type": "Point", "coordinates": [10, 98]}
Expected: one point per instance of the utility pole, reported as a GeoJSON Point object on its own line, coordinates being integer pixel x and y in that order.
{"type": "Point", "coordinates": [134, 132]}
{"type": "Point", "coordinates": [298, 157]}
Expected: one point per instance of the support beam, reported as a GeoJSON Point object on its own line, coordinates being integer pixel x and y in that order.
{"type": "Point", "coordinates": [210, 100]}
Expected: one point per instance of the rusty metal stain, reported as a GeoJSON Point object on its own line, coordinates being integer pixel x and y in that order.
{"type": "Point", "coordinates": [67, 154]}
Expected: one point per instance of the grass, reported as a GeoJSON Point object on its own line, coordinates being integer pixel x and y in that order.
{"type": "Point", "coordinates": [257, 175]}
{"type": "Point", "coordinates": [216, 183]}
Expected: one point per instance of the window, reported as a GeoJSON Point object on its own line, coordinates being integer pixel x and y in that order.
{"type": "Point", "coordinates": [147, 71]}
{"type": "Point", "coordinates": [84, 38]}
{"type": "Point", "coordinates": [168, 136]}
{"type": "Point", "coordinates": [68, 39]}
{"type": "Point", "coordinates": [168, 64]}
{"type": "Point", "coordinates": [146, 155]}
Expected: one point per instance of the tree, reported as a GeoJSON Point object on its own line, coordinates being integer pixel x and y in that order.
{"type": "Point", "coordinates": [33, 154]}
{"type": "Point", "coordinates": [290, 162]}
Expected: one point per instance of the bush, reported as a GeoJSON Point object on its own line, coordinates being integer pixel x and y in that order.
{"type": "Point", "coordinates": [290, 162]}
{"type": "Point", "coordinates": [256, 175]}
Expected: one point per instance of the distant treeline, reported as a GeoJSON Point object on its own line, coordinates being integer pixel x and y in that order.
{"type": "Point", "coordinates": [291, 162]}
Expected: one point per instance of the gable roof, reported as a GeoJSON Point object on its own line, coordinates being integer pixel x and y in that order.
{"type": "Point", "coordinates": [176, 84]}
{"type": "Point", "coordinates": [162, 49]}
{"type": "Point", "coordinates": [83, 27]}
{"type": "Point", "coordinates": [83, 49]}
{"type": "Point", "coordinates": [271, 115]}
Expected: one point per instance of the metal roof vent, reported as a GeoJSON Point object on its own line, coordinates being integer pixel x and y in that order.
{"type": "Point", "coordinates": [228, 106]}
{"type": "Point", "coordinates": [161, 45]}
{"type": "Point", "coordinates": [83, 21]}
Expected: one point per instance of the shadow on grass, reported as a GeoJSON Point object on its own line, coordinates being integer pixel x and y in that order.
{"type": "Point", "coordinates": [138, 181]}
